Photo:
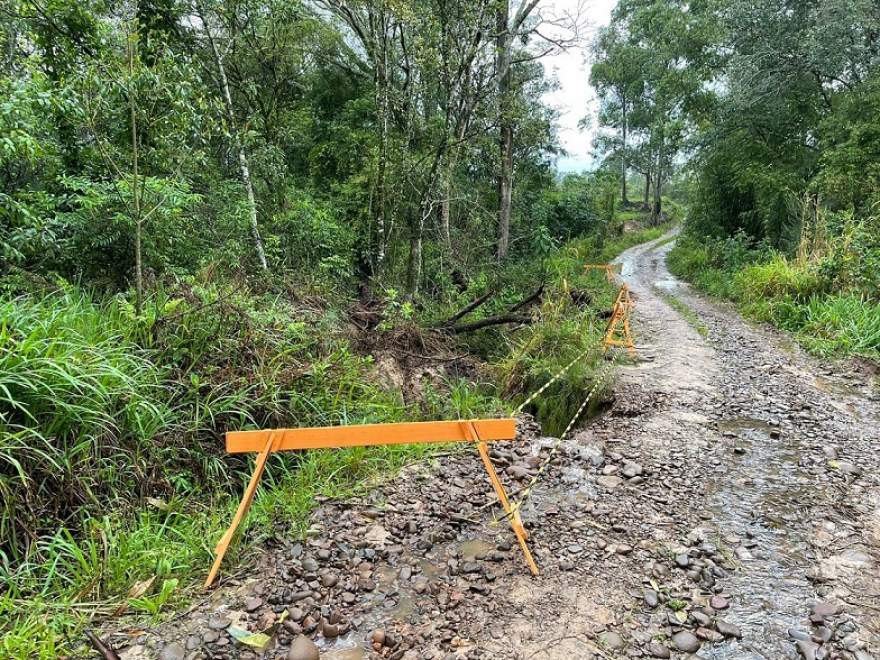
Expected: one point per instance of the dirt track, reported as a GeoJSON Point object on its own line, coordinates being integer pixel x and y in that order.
{"type": "Point", "coordinates": [731, 493]}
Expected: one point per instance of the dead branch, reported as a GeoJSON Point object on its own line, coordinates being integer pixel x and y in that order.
{"type": "Point", "coordinates": [525, 302]}
{"type": "Point", "coordinates": [467, 309]}
{"type": "Point", "coordinates": [489, 321]}
{"type": "Point", "coordinates": [106, 652]}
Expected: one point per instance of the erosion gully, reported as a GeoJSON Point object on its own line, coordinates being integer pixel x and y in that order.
{"type": "Point", "coordinates": [726, 505]}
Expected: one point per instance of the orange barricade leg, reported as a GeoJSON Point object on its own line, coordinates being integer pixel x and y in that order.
{"type": "Point", "coordinates": [515, 520]}
{"type": "Point", "coordinates": [619, 324]}
{"type": "Point", "coordinates": [243, 506]}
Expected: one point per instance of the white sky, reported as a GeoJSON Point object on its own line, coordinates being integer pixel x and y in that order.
{"type": "Point", "coordinates": [575, 98]}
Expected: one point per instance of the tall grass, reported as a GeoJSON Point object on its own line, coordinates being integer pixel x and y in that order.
{"type": "Point", "coordinates": [78, 406]}
{"type": "Point", "coordinates": [828, 313]}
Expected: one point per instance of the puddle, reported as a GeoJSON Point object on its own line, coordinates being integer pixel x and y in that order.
{"type": "Point", "coordinates": [404, 608]}
{"type": "Point", "coordinates": [470, 550]}
{"type": "Point", "coordinates": [744, 426]}
{"type": "Point", "coordinates": [385, 575]}
{"type": "Point", "coordinates": [832, 386]}
{"type": "Point", "coordinates": [345, 648]}
{"type": "Point", "coordinates": [356, 653]}
{"type": "Point", "coordinates": [668, 285]}
{"type": "Point", "coordinates": [431, 569]}
{"type": "Point", "coordinates": [757, 499]}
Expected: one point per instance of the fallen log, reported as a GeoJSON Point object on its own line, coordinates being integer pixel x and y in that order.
{"type": "Point", "coordinates": [467, 309]}
{"type": "Point", "coordinates": [525, 302]}
{"type": "Point", "coordinates": [487, 322]}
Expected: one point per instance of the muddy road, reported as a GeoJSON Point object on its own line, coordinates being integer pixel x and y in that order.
{"type": "Point", "coordinates": [726, 506]}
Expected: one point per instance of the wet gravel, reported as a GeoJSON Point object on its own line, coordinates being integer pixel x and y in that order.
{"type": "Point", "coordinates": [727, 505]}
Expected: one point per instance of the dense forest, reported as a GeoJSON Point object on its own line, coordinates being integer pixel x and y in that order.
{"type": "Point", "coordinates": [230, 214]}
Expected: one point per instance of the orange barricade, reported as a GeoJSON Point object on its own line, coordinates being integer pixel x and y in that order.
{"type": "Point", "coordinates": [618, 332]}
{"type": "Point", "coordinates": [609, 269]}
{"type": "Point", "coordinates": [265, 442]}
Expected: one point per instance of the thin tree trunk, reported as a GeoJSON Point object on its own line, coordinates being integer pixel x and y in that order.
{"type": "Point", "coordinates": [657, 209]}
{"type": "Point", "coordinates": [244, 169]}
{"type": "Point", "coordinates": [446, 192]}
{"type": "Point", "coordinates": [135, 184]}
{"type": "Point", "coordinates": [414, 269]}
{"type": "Point", "coordinates": [382, 111]}
{"type": "Point", "coordinates": [505, 165]}
{"type": "Point", "coordinates": [623, 156]}
{"type": "Point", "coordinates": [647, 189]}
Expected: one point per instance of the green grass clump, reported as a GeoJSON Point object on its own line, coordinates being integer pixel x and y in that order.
{"type": "Point", "coordinates": [79, 404]}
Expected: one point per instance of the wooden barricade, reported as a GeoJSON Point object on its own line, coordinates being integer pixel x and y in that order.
{"type": "Point", "coordinates": [479, 431]}
{"type": "Point", "coordinates": [618, 331]}
{"type": "Point", "coordinates": [609, 269]}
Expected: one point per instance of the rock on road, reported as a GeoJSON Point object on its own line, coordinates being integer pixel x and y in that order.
{"type": "Point", "coordinates": [726, 506]}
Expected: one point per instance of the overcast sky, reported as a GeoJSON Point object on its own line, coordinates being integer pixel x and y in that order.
{"type": "Point", "coordinates": [575, 98]}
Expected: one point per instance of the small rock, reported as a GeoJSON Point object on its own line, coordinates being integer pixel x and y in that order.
{"type": "Point", "coordinates": [824, 609]}
{"type": "Point", "coordinates": [701, 618]}
{"type": "Point", "coordinates": [253, 603]}
{"type": "Point", "coordinates": [609, 482]}
{"type": "Point", "coordinates": [378, 637]}
{"type": "Point", "coordinates": [807, 649]}
{"type": "Point", "coordinates": [218, 623]}
{"type": "Point", "coordinates": [303, 648]}
{"type": "Point", "coordinates": [611, 640]}
{"type": "Point", "coordinates": [849, 468]}
{"type": "Point", "coordinates": [329, 580]}
{"type": "Point", "coordinates": [719, 603]}
{"type": "Point", "coordinates": [651, 599]}
{"type": "Point", "coordinates": [685, 641]}
{"type": "Point", "coordinates": [657, 650]}
{"type": "Point", "coordinates": [683, 560]}
{"type": "Point", "coordinates": [728, 629]}
{"type": "Point", "coordinates": [172, 651]}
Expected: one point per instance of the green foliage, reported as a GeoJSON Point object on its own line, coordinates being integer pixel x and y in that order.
{"type": "Point", "coordinates": [817, 299]}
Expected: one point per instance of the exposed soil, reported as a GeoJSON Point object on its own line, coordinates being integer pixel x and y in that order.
{"type": "Point", "coordinates": [726, 506]}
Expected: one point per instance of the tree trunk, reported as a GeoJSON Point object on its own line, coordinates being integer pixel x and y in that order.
{"type": "Point", "coordinates": [382, 118]}
{"type": "Point", "coordinates": [505, 191]}
{"type": "Point", "coordinates": [414, 268]}
{"type": "Point", "coordinates": [623, 198]}
{"type": "Point", "coordinates": [647, 190]}
{"type": "Point", "coordinates": [505, 165]}
{"type": "Point", "coordinates": [244, 169]}
{"type": "Point", "coordinates": [135, 185]}
{"type": "Point", "coordinates": [446, 192]}
{"type": "Point", "coordinates": [657, 209]}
